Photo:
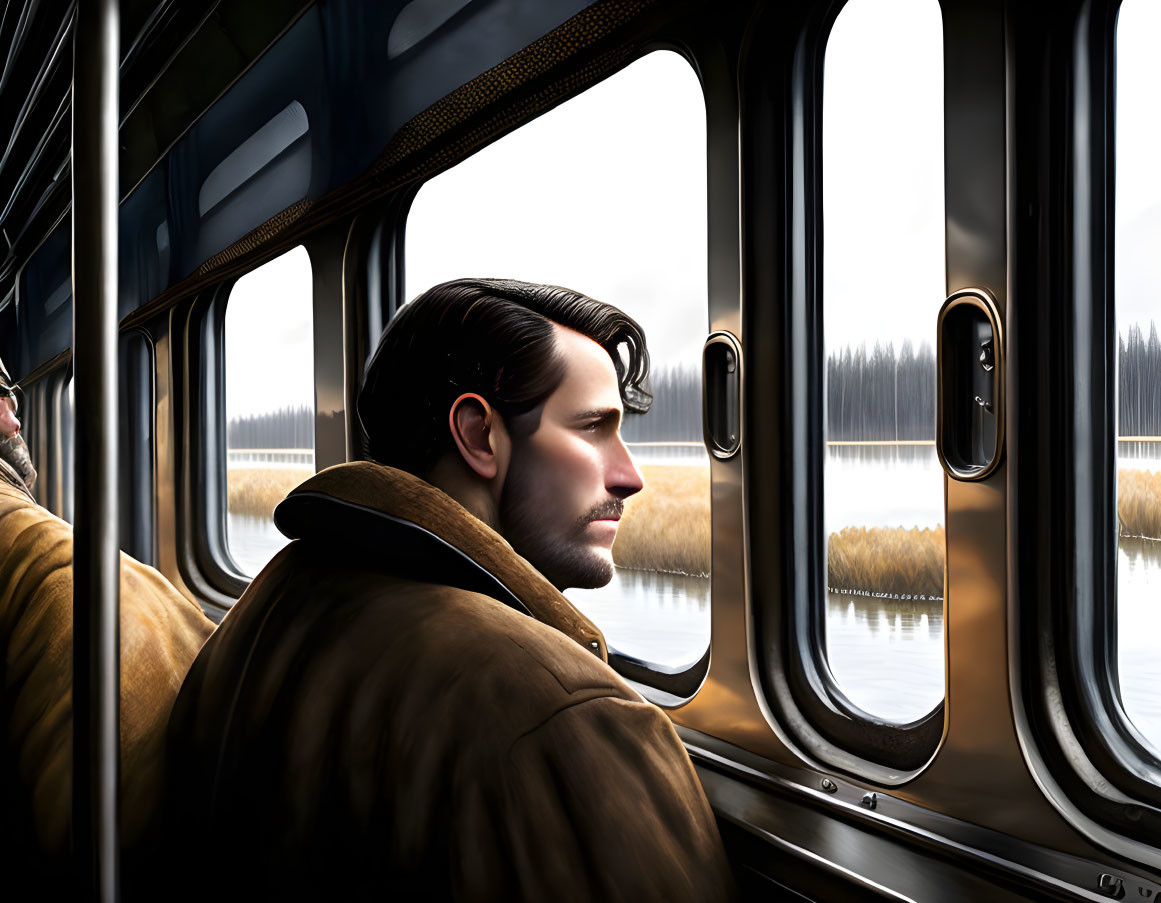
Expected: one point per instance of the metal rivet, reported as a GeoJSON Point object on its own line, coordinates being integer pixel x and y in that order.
{"type": "Point", "coordinates": [870, 800]}
{"type": "Point", "coordinates": [828, 785]}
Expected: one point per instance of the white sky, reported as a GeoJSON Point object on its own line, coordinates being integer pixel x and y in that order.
{"type": "Point", "coordinates": [1138, 192]}
{"type": "Point", "coordinates": [883, 220]}
{"type": "Point", "coordinates": [606, 194]}
{"type": "Point", "coordinates": [269, 338]}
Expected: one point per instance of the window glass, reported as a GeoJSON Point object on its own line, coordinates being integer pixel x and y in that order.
{"type": "Point", "coordinates": [1138, 304]}
{"type": "Point", "coordinates": [606, 194]}
{"type": "Point", "coordinates": [269, 347]}
{"type": "Point", "coordinates": [883, 284]}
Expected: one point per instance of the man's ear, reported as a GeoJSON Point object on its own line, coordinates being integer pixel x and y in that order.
{"type": "Point", "coordinates": [479, 435]}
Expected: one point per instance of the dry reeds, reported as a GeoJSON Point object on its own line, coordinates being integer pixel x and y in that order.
{"type": "Point", "coordinates": [666, 526]}
{"type": "Point", "coordinates": [1139, 503]}
{"type": "Point", "coordinates": [255, 491]}
{"type": "Point", "coordinates": [891, 560]}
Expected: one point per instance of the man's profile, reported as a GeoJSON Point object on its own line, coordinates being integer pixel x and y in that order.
{"type": "Point", "coordinates": [403, 702]}
{"type": "Point", "coordinates": [516, 415]}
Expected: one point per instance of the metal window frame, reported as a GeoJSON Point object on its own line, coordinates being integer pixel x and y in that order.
{"type": "Point", "coordinates": [1080, 746]}
{"type": "Point", "coordinates": [782, 132]}
{"type": "Point", "coordinates": [199, 382]}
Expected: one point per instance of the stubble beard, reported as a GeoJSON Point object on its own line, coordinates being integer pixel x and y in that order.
{"type": "Point", "coordinates": [567, 560]}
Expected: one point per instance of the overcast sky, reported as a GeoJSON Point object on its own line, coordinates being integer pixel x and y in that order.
{"type": "Point", "coordinates": [882, 144]}
{"type": "Point", "coordinates": [1138, 200]}
{"type": "Point", "coordinates": [606, 194]}
{"type": "Point", "coordinates": [269, 338]}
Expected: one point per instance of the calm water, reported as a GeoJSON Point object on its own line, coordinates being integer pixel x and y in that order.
{"type": "Point", "coordinates": [1139, 634]}
{"type": "Point", "coordinates": [886, 654]}
{"type": "Point", "coordinates": [659, 618]}
{"type": "Point", "coordinates": [252, 541]}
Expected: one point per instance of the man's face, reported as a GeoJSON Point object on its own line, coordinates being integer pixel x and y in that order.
{"type": "Point", "coordinates": [9, 424]}
{"type": "Point", "coordinates": [566, 482]}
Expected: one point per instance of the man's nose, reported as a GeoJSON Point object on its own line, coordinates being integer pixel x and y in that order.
{"type": "Point", "coordinates": [7, 414]}
{"type": "Point", "coordinates": [624, 478]}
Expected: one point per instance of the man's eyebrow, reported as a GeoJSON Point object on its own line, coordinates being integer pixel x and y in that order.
{"type": "Point", "coordinates": [597, 414]}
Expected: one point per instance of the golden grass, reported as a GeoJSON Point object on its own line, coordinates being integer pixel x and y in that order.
{"type": "Point", "coordinates": [890, 560]}
{"type": "Point", "coordinates": [1139, 503]}
{"type": "Point", "coordinates": [255, 491]}
{"type": "Point", "coordinates": [666, 526]}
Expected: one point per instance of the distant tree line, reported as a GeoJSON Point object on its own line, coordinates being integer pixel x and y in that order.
{"type": "Point", "coordinates": [871, 395]}
{"type": "Point", "coordinates": [284, 428]}
{"type": "Point", "coordinates": [879, 395]}
{"type": "Point", "coordinates": [675, 415]}
{"type": "Point", "coordinates": [1139, 395]}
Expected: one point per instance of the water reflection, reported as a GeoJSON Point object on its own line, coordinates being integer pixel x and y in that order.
{"type": "Point", "coordinates": [659, 618]}
{"type": "Point", "coordinates": [882, 486]}
{"type": "Point", "coordinates": [1143, 455]}
{"type": "Point", "coordinates": [1138, 626]}
{"type": "Point", "coordinates": [886, 654]}
{"type": "Point", "coordinates": [252, 541]}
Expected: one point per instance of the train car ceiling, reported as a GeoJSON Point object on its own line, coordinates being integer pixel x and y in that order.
{"type": "Point", "coordinates": [319, 70]}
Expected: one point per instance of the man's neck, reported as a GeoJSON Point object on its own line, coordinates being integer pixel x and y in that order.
{"type": "Point", "coordinates": [459, 482]}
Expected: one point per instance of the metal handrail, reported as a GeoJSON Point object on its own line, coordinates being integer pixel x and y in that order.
{"type": "Point", "coordinates": [96, 561]}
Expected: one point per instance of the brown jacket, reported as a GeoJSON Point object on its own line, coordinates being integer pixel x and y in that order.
{"type": "Point", "coordinates": [161, 632]}
{"type": "Point", "coordinates": [372, 721]}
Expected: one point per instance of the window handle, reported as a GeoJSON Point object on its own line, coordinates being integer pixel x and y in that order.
{"type": "Point", "coordinates": [970, 407]}
{"type": "Point", "coordinates": [722, 394]}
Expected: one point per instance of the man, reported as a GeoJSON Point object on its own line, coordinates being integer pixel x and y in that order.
{"type": "Point", "coordinates": [402, 704]}
{"type": "Point", "coordinates": [161, 631]}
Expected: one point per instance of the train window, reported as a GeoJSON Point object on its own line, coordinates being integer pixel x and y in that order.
{"type": "Point", "coordinates": [269, 353]}
{"type": "Point", "coordinates": [1137, 273]}
{"type": "Point", "coordinates": [606, 194]}
{"type": "Point", "coordinates": [883, 283]}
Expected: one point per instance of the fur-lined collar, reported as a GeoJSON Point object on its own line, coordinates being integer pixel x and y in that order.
{"type": "Point", "coordinates": [363, 497]}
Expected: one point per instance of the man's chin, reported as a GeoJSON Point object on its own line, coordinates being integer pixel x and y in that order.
{"type": "Point", "coordinates": [590, 571]}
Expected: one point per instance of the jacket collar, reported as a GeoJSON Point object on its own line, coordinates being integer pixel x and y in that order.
{"type": "Point", "coordinates": [384, 499]}
{"type": "Point", "coordinates": [10, 477]}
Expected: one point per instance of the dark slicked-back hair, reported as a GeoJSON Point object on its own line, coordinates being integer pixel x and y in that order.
{"type": "Point", "coordinates": [493, 337]}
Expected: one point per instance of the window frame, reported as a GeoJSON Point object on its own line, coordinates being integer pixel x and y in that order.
{"type": "Point", "coordinates": [200, 448]}
{"type": "Point", "coordinates": [1076, 736]}
{"type": "Point", "coordinates": [783, 104]}
{"type": "Point", "coordinates": [665, 688]}
{"type": "Point", "coordinates": [205, 560]}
